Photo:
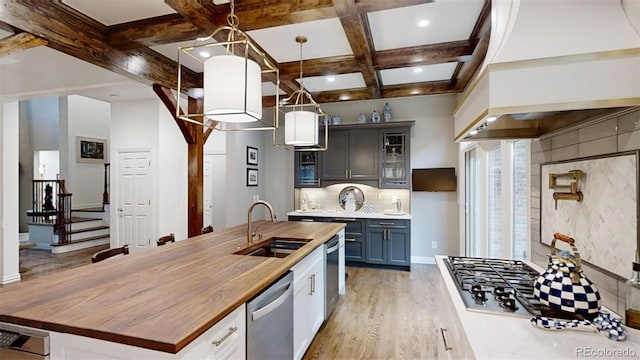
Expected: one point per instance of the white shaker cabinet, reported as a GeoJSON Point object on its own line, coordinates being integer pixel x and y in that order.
{"type": "Point", "coordinates": [451, 340]}
{"type": "Point", "coordinates": [308, 300]}
{"type": "Point", "coordinates": [225, 340]}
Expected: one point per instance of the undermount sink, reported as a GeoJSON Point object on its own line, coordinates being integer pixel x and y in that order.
{"type": "Point", "coordinates": [274, 247]}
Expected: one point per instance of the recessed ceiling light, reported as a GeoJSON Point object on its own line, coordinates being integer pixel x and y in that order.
{"type": "Point", "coordinates": [473, 132]}
{"type": "Point", "coordinates": [491, 118]}
{"type": "Point", "coordinates": [205, 54]}
{"type": "Point", "coordinates": [331, 79]}
{"type": "Point", "coordinates": [423, 23]}
{"type": "Point", "coordinates": [417, 70]}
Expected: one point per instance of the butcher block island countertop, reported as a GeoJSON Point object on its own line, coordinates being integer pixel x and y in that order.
{"type": "Point", "coordinates": [161, 298]}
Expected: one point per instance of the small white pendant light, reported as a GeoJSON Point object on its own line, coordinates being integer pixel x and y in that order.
{"type": "Point", "coordinates": [301, 114]}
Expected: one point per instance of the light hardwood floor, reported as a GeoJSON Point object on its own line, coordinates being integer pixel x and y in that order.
{"type": "Point", "coordinates": [386, 314]}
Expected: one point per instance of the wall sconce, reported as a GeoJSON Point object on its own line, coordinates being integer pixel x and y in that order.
{"type": "Point", "coordinates": [574, 193]}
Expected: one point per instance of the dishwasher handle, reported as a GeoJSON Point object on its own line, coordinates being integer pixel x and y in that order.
{"type": "Point", "coordinates": [263, 311]}
{"type": "Point", "coordinates": [333, 249]}
{"type": "Point", "coordinates": [332, 245]}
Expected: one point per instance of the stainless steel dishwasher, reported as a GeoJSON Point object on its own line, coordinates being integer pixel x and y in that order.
{"type": "Point", "coordinates": [270, 322]}
{"type": "Point", "coordinates": [21, 343]}
{"type": "Point", "coordinates": [331, 277]}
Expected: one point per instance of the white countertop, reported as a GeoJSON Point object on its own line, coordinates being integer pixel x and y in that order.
{"type": "Point", "coordinates": [355, 214]}
{"type": "Point", "coordinates": [494, 336]}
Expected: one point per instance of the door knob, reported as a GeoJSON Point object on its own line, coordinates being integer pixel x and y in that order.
{"type": "Point", "coordinates": [119, 209]}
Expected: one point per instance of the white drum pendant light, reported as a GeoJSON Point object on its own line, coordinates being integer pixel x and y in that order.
{"type": "Point", "coordinates": [232, 94]}
{"type": "Point", "coordinates": [301, 128]}
{"type": "Point", "coordinates": [233, 70]}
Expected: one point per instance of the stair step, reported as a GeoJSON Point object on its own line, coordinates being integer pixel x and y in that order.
{"type": "Point", "coordinates": [78, 219]}
{"type": "Point", "coordinates": [81, 244]}
{"type": "Point", "coordinates": [93, 228]}
{"type": "Point", "coordinates": [95, 209]}
{"type": "Point", "coordinates": [83, 240]}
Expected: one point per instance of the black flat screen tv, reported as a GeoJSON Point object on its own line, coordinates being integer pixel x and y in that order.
{"type": "Point", "coordinates": [434, 179]}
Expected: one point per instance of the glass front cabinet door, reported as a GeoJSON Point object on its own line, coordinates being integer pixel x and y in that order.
{"type": "Point", "coordinates": [306, 167]}
{"type": "Point", "coordinates": [394, 163]}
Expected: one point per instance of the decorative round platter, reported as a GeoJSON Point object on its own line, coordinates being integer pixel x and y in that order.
{"type": "Point", "coordinates": [351, 192]}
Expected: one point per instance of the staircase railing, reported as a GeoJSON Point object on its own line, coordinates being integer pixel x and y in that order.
{"type": "Point", "coordinates": [45, 200]}
{"type": "Point", "coordinates": [63, 220]}
{"type": "Point", "coordinates": [107, 184]}
{"type": "Point", "coordinates": [52, 205]}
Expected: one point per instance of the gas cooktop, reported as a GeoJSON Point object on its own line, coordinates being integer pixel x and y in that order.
{"type": "Point", "coordinates": [498, 286]}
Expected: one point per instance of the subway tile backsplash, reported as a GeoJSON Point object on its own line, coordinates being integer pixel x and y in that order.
{"type": "Point", "coordinates": [610, 135]}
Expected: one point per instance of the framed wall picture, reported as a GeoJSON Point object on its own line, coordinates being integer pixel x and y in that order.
{"type": "Point", "coordinates": [252, 177]}
{"type": "Point", "coordinates": [252, 156]}
{"type": "Point", "coordinates": [91, 150]}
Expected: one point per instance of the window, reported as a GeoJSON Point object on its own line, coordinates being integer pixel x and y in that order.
{"type": "Point", "coordinates": [496, 195]}
{"type": "Point", "coordinates": [494, 202]}
{"type": "Point", "coordinates": [520, 200]}
{"type": "Point", "coordinates": [472, 247]}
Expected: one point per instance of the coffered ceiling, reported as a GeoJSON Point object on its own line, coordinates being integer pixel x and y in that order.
{"type": "Point", "coordinates": [356, 49]}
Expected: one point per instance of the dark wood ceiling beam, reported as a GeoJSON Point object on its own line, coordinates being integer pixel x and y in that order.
{"type": "Point", "coordinates": [19, 42]}
{"type": "Point", "coordinates": [480, 36]}
{"type": "Point", "coordinates": [459, 51]}
{"type": "Point", "coordinates": [342, 95]}
{"type": "Point", "coordinates": [356, 28]}
{"type": "Point", "coordinates": [80, 37]}
{"type": "Point", "coordinates": [417, 89]}
{"type": "Point", "coordinates": [377, 5]}
{"type": "Point", "coordinates": [404, 90]}
{"type": "Point", "coordinates": [153, 31]}
{"type": "Point", "coordinates": [171, 103]}
{"type": "Point", "coordinates": [319, 67]}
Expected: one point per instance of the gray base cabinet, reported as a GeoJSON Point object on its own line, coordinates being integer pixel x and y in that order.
{"type": "Point", "coordinates": [354, 239]}
{"type": "Point", "coordinates": [373, 241]}
{"type": "Point", "coordinates": [388, 242]}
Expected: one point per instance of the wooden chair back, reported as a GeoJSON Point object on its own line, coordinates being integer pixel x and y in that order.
{"type": "Point", "coordinates": [207, 229]}
{"type": "Point", "coordinates": [107, 253]}
{"type": "Point", "coordinates": [165, 239]}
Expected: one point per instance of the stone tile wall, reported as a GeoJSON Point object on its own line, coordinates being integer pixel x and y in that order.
{"type": "Point", "coordinates": [598, 137]}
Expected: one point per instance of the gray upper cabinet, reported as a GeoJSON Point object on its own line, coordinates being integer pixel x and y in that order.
{"type": "Point", "coordinates": [306, 169]}
{"type": "Point", "coordinates": [352, 156]}
{"type": "Point", "coordinates": [395, 164]}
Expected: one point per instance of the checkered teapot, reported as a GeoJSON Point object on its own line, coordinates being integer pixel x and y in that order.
{"type": "Point", "coordinates": [563, 286]}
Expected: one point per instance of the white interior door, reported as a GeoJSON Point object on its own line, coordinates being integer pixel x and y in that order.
{"type": "Point", "coordinates": [207, 193]}
{"type": "Point", "coordinates": [134, 208]}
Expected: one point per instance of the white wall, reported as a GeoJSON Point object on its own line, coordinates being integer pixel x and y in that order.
{"type": "Point", "coordinates": [173, 183]}
{"type": "Point", "coordinates": [216, 148]}
{"type": "Point", "coordinates": [239, 196]}
{"type": "Point", "coordinates": [147, 125]}
{"type": "Point", "coordinates": [89, 118]}
{"type": "Point", "coordinates": [9, 120]}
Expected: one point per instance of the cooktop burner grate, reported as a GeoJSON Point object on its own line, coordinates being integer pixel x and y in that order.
{"type": "Point", "coordinates": [498, 286]}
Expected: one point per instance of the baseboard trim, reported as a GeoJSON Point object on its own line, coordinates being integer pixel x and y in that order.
{"type": "Point", "coordinates": [430, 260]}
{"type": "Point", "coordinates": [10, 279]}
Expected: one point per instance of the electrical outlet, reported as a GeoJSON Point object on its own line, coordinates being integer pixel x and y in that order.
{"type": "Point", "coordinates": [434, 244]}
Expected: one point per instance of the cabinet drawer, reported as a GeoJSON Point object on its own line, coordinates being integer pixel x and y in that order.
{"type": "Point", "coordinates": [387, 223]}
{"type": "Point", "coordinates": [307, 218]}
{"type": "Point", "coordinates": [354, 248]}
{"type": "Point", "coordinates": [355, 227]}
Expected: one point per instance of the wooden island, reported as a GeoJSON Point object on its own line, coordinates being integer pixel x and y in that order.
{"type": "Point", "coordinates": [159, 299]}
